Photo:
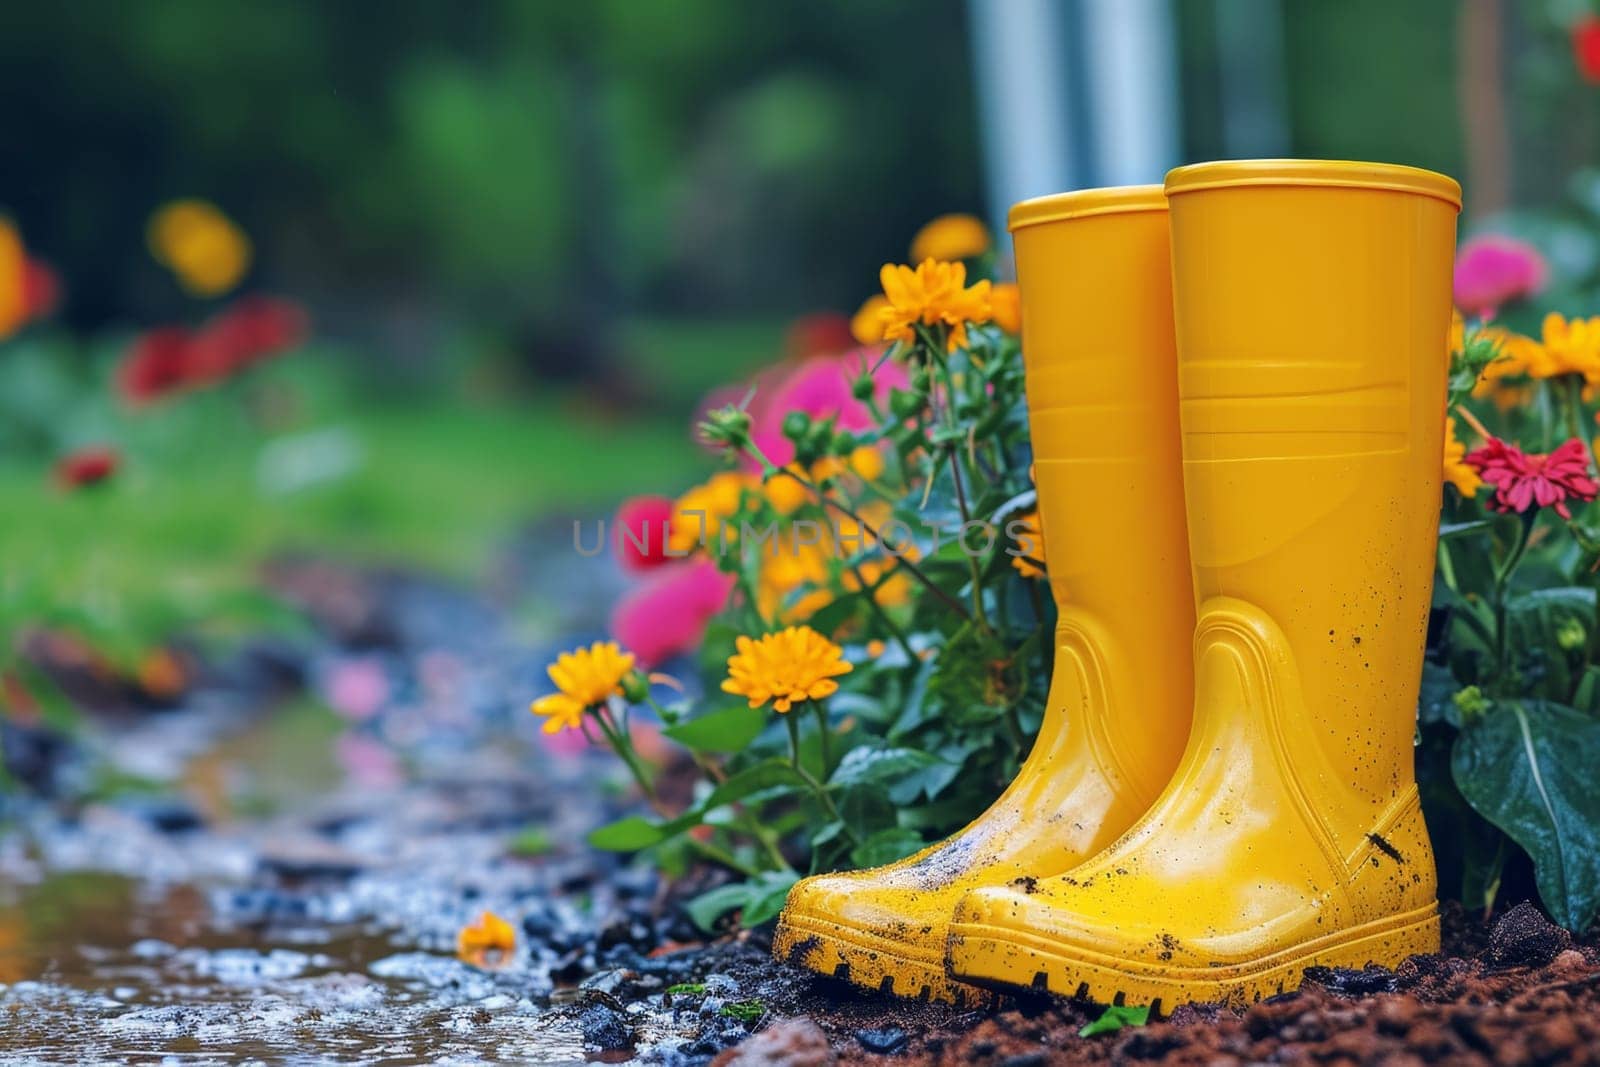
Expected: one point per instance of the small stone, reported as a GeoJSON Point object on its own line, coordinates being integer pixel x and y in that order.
{"type": "Point", "coordinates": [1523, 937]}
{"type": "Point", "coordinates": [885, 1042]}
{"type": "Point", "coordinates": [796, 1042]}
{"type": "Point", "coordinates": [605, 1028]}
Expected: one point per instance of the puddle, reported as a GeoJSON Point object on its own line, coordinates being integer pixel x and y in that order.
{"type": "Point", "coordinates": [101, 968]}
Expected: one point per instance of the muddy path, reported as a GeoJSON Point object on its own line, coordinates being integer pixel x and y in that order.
{"type": "Point", "coordinates": [320, 815]}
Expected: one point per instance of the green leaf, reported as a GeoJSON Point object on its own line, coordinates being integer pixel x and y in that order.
{"type": "Point", "coordinates": [1539, 622]}
{"type": "Point", "coordinates": [758, 900]}
{"type": "Point", "coordinates": [1115, 1017]}
{"type": "Point", "coordinates": [1527, 767]}
{"type": "Point", "coordinates": [1435, 702]}
{"type": "Point", "coordinates": [886, 846]}
{"type": "Point", "coordinates": [764, 775]}
{"type": "Point", "coordinates": [534, 841]}
{"type": "Point", "coordinates": [705, 909]}
{"type": "Point", "coordinates": [1451, 530]}
{"type": "Point", "coordinates": [767, 896]}
{"type": "Point", "coordinates": [887, 768]}
{"type": "Point", "coordinates": [693, 989]}
{"type": "Point", "coordinates": [723, 730]}
{"type": "Point", "coordinates": [632, 833]}
{"type": "Point", "coordinates": [746, 1011]}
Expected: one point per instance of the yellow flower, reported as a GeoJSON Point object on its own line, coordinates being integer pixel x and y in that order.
{"type": "Point", "coordinates": [1456, 472]}
{"type": "Point", "coordinates": [1458, 337]}
{"type": "Point", "coordinates": [950, 237]}
{"type": "Point", "coordinates": [1005, 301]}
{"type": "Point", "coordinates": [787, 667]}
{"type": "Point", "coordinates": [201, 245]}
{"type": "Point", "coordinates": [866, 325]}
{"type": "Point", "coordinates": [717, 500]}
{"type": "Point", "coordinates": [1514, 357]}
{"type": "Point", "coordinates": [487, 942]}
{"type": "Point", "coordinates": [1030, 542]}
{"type": "Point", "coordinates": [867, 463]}
{"type": "Point", "coordinates": [932, 294]}
{"type": "Point", "coordinates": [794, 567]}
{"type": "Point", "coordinates": [13, 269]}
{"type": "Point", "coordinates": [1570, 347]}
{"type": "Point", "coordinates": [585, 678]}
{"type": "Point", "coordinates": [786, 494]}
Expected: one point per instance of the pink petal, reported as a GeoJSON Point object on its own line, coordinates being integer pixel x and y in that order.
{"type": "Point", "coordinates": [668, 613]}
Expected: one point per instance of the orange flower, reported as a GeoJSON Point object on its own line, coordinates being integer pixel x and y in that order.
{"type": "Point", "coordinates": [489, 942]}
{"type": "Point", "coordinates": [950, 237]}
{"type": "Point", "coordinates": [787, 667]}
{"type": "Point", "coordinates": [1568, 347]}
{"type": "Point", "coordinates": [201, 245]}
{"type": "Point", "coordinates": [585, 678]}
{"type": "Point", "coordinates": [1030, 542]}
{"type": "Point", "coordinates": [1456, 471]}
{"type": "Point", "coordinates": [699, 514]}
{"type": "Point", "coordinates": [866, 325]}
{"type": "Point", "coordinates": [1005, 300]}
{"type": "Point", "coordinates": [13, 279]}
{"type": "Point", "coordinates": [933, 294]}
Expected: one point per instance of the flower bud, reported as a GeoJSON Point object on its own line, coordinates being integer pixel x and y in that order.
{"type": "Point", "coordinates": [635, 688]}
{"type": "Point", "coordinates": [796, 424]}
{"type": "Point", "coordinates": [905, 405]}
{"type": "Point", "coordinates": [862, 388]}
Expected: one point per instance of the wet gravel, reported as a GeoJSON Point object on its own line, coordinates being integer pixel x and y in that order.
{"type": "Point", "coordinates": [261, 908]}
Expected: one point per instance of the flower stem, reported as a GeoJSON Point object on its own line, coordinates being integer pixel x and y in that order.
{"type": "Point", "coordinates": [825, 736]}
{"type": "Point", "coordinates": [818, 790]}
{"type": "Point", "coordinates": [1573, 397]}
{"type": "Point", "coordinates": [883, 616]}
{"type": "Point", "coordinates": [867, 529]}
{"type": "Point", "coordinates": [624, 749]}
{"type": "Point", "coordinates": [1502, 582]}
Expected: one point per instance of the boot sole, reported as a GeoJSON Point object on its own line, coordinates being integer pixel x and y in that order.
{"type": "Point", "coordinates": [871, 962]}
{"type": "Point", "coordinates": [995, 956]}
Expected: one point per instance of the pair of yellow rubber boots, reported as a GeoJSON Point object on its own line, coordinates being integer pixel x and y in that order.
{"type": "Point", "coordinates": [1236, 386]}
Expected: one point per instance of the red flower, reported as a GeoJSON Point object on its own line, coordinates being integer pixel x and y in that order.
{"type": "Point", "coordinates": [86, 466]}
{"type": "Point", "coordinates": [157, 364]}
{"type": "Point", "coordinates": [642, 532]}
{"type": "Point", "coordinates": [41, 289]}
{"type": "Point", "coordinates": [1524, 481]}
{"type": "Point", "coordinates": [1586, 47]}
{"type": "Point", "coordinates": [171, 358]}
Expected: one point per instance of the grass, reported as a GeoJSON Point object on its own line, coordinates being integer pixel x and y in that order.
{"type": "Point", "coordinates": [299, 458]}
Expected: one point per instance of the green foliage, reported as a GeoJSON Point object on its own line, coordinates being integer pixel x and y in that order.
{"type": "Point", "coordinates": [1115, 1017]}
{"type": "Point", "coordinates": [1509, 712]}
{"type": "Point", "coordinates": [913, 744]}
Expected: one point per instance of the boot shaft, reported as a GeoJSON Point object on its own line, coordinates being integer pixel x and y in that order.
{"type": "Point", "coordinates": [1095, 276]}
{"type": "Point", "coordinates": [1312, 310]}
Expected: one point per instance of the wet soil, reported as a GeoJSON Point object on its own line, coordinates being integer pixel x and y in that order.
{"type": "Point", "coordinates": [320, 816]}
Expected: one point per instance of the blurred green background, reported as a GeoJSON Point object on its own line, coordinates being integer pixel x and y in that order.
{"type": "Point", "coordinates": [531, 236]}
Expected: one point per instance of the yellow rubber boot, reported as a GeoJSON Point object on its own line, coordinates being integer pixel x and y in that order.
{"type": "Point", "coordinates": [1313, 302]}
{"type": "Point", "coordinates": [1095, 273]}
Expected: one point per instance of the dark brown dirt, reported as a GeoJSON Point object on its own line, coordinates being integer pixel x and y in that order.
{"type": "Point", "coordinates": [1517, 990]}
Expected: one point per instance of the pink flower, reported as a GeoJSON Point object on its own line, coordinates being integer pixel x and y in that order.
{"type": "Point", "coordinates": [356, 688]}
{"type": "Point", "coordinates": [1494, 270]}
{"type": "Point", "coordinates": [1524, 481]}
{"type": "Point", "coordinates": [368, 761]}
{"type": "Point", "coordinates": [820, 387]}
{"type": "Point", "coordinates": [641, 532]}
{"type": "Point", "coordinates": [668, 612]}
